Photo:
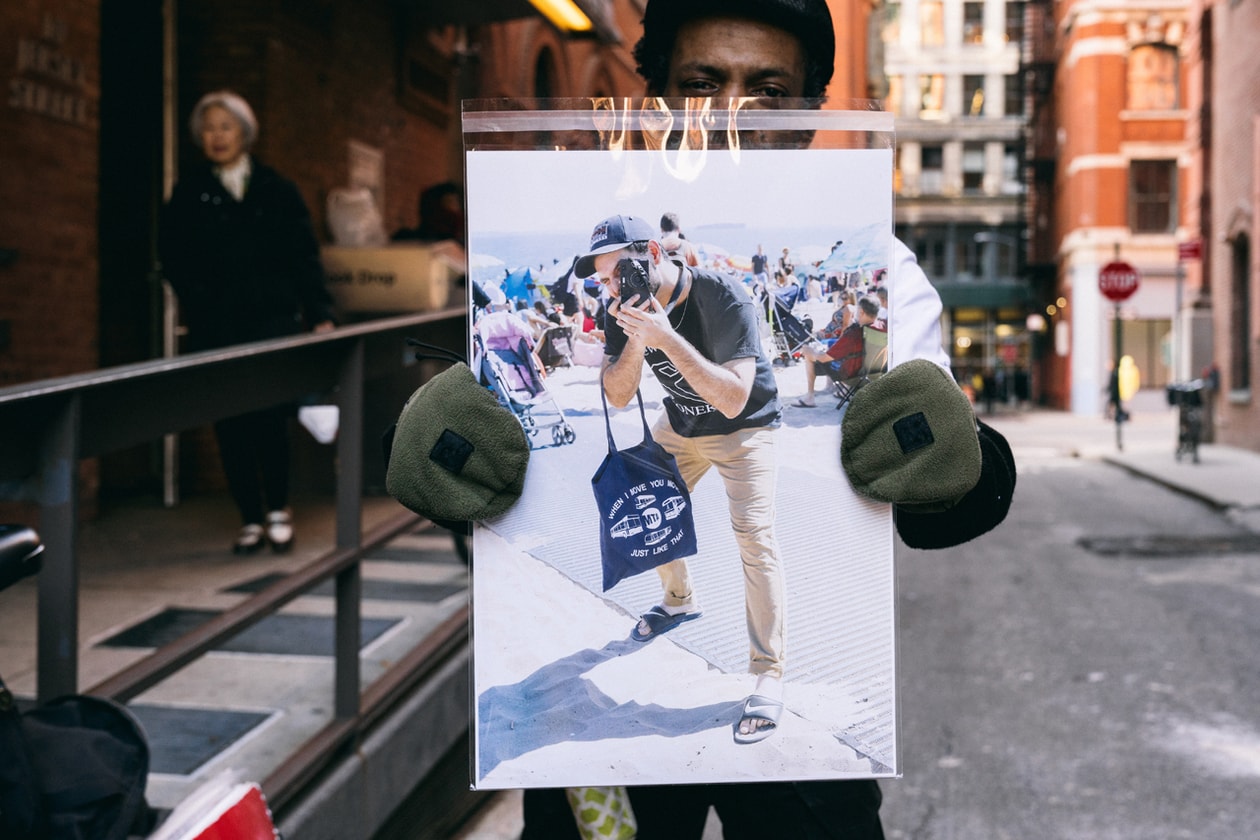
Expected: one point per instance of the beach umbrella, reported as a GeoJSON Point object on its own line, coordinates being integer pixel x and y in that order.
{"type": "Point", "coordinates": [713, 255]}
{"type": "Point", "coordinates": [811, 254]}
{"type": "Point", "coordinates": [864, 249]}
{"type": "Point", "coordinates": [517, 283]}
{"type": "Point", "coordinates": [483, 261]}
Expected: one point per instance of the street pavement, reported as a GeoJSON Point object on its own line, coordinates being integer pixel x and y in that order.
{"type": "Point", "coordinates": [1224, 479]}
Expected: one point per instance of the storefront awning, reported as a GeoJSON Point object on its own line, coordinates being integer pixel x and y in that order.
{"type": "Point", "coordinates": [984, 295]}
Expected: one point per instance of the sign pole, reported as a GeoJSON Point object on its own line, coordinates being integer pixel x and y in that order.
{"type": "Point", "coordinates": [1176, 330]}
{"type": "Point", "coordinates": [1118, 281]}
{"type": "Point", "coordinates": [1115, 372]}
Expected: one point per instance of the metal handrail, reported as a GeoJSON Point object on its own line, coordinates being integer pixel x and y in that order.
{"type": "Point", "coordinates": [47, 427]}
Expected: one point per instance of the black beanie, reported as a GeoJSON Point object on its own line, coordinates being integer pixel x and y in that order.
{"type": "Point", "coordinates": [978, 512]}
{"type": "Point", "coordinates": [807, 20]}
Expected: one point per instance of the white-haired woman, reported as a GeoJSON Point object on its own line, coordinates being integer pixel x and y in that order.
{"type": "Point", "coordinates": [238, 247]}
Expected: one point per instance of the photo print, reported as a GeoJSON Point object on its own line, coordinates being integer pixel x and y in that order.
{"type": "Point", "coordinates": [688, 590]}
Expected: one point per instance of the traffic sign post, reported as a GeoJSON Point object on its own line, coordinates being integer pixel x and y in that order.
{"type": "Point", "coordinates": [1118, 281]}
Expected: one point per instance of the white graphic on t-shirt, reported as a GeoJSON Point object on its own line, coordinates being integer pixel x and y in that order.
{"type": "Point", "coordinates": [686, 400]}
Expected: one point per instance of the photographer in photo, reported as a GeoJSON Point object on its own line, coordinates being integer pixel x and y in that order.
{"type": "Point", "coordinates": [698, 333]}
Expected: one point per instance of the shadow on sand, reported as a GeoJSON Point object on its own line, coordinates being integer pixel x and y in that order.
{"type": "Point", "coordinates": [555, 704]}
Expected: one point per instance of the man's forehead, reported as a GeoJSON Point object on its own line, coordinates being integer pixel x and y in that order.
{"type": "Point", "coordinates": [738, 43]}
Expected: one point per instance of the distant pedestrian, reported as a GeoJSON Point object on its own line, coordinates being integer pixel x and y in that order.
{"type": "Point", "coordinates": [238, 248]}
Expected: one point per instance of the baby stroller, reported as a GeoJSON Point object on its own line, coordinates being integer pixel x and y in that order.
{"type": "Point", "coordinates": [787, 332]}
{"type": "Point", "coordinates": [555, 347]}
{"type": "Point", "coordinates": [517, 384]}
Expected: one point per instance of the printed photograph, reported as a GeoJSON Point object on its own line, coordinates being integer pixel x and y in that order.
{"type": "Point", "coordinates": [688, 590]}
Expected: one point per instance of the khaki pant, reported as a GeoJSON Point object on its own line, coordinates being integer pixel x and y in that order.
{"type": "Point", "coordinates": [747, 463]}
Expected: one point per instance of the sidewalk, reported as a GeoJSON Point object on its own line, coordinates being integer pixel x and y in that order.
{"type": "Point", "coordinates": [1226, 478]}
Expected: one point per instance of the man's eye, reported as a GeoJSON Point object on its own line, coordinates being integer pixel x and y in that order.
{"type": "Point", "coordinates": [769, 91]}
{"type": "Point", "coordinates": [699, 87]}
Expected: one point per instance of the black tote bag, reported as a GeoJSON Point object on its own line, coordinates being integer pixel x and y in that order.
{"type": "Point", "coordinates": [645, 516]}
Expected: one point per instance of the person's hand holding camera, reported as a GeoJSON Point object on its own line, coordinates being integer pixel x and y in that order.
{"type": "Point", "coordinates": [638, 313]}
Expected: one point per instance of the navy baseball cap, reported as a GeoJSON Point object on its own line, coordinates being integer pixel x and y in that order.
{"type": "Point", "coordinates": [611, 234]}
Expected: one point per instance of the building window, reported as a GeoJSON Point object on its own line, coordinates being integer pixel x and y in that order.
{"type": "Point", "coordinates": [929, 247]}
{"type": "Point", "coordinates": [932, 170]}
{"type": "Point", "coordinates": [973, 23]}
{"type": "Point", "coordinates": [1152, 196]}
{"type": "Point", "coordinates": [973, 168]}
{"type": "Point", "coordinates": [892, 23]}
{"type": "Point", "coordinates": [931, 96]}
{"type": "Point", "coordinates": [968, 256]}
{"type": "Point", "coordinates": [425, 77]}
{"type": "Point", "coordinates": [892, 103]}
{"type": "Point", "coordinates": [1012, 182]}
{"type": "Point", "coordinates": [545, 75]}
{"type": "Point", "coordinates": [1013, 95]}
{"type": "Point", "coordinates": [1152, 79]}
{"type": "Point", "coordinates": [932, 23]}
{"type": "Point", "coordinates": [973, 96]}
{"type": "Point", "coordinates": [1014, 22]}
{"type": "Point", "coordinates": [934, 255]}
{"type": "Point", "coordinates": [1240, 316]}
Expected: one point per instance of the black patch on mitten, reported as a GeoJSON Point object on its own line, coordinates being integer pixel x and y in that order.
{"type": "Point", "coordinates": [451, 452]}
{"type": "Point", "coordinates": [913, 432]}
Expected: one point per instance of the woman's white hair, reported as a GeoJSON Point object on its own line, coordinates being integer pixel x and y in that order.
{"type": "Point", "coordinates": [234, 105]}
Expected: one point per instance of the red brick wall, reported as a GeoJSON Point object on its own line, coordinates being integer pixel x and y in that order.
{"type": "Point", "coordinates": [1235, 192]}
{"type": "Point", "coordinates": [48, 187]}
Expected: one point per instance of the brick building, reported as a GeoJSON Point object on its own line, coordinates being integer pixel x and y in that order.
{"type": "Point", "coordinates": [954, 82]}
{"type": "Point", "coordinates": [1226, 95]}
{"type": "Point", "coordinates": [1120, 186]}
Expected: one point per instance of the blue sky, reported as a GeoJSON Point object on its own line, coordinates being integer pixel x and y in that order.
{"type": "Point", "coordinates": [560, 191]}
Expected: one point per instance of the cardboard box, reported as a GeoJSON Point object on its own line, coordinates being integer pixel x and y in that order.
{"type": "Point", "coordinates": [393, 278]}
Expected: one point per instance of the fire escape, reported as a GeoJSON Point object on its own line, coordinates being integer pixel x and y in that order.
{"type": "Point", "coordinates": [1037, 67]}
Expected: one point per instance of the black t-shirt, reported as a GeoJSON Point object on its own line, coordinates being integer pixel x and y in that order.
{"type": "Point", "coordinates": [719, 319]}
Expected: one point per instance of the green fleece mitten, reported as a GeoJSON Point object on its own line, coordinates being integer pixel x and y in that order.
{"type": "Point", "coordinates": [909, 437]}
{"type": "Point", "coordinates": [456, 454]}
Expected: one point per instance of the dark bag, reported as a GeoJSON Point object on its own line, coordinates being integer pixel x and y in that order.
{"type": "Point", "coordinates": [645, 515]}
{"type": "Point", "coordinates": [79, 773]}
{"type": "Point", "coordinates": [21, 810]}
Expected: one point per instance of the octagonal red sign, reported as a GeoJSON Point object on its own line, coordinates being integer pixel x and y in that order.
{"type": "Point", "coordinates": [1118, 280]}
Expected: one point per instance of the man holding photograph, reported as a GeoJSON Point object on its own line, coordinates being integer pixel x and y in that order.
{"type": "Point", "coordinates": [698, 332]}
{"type": "Point", "coordinates": [770, 49]}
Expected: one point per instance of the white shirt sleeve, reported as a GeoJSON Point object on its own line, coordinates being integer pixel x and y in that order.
{"type": "Point", "coordinates": [915, 331]}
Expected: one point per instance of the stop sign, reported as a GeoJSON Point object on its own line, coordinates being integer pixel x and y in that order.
{"type": "Point", "coordinates": [1118, 280]}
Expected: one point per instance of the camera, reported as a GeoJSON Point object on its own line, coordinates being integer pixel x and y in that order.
{"type": "Point", "coordinates": [634, 281]}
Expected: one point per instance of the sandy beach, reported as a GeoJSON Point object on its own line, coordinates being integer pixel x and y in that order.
{"type": "Point", "coordinates": [565, 697]}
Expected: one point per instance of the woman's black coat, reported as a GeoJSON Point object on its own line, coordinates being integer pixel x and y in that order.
{"type": "Point", "coordinates": [243, 271]}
